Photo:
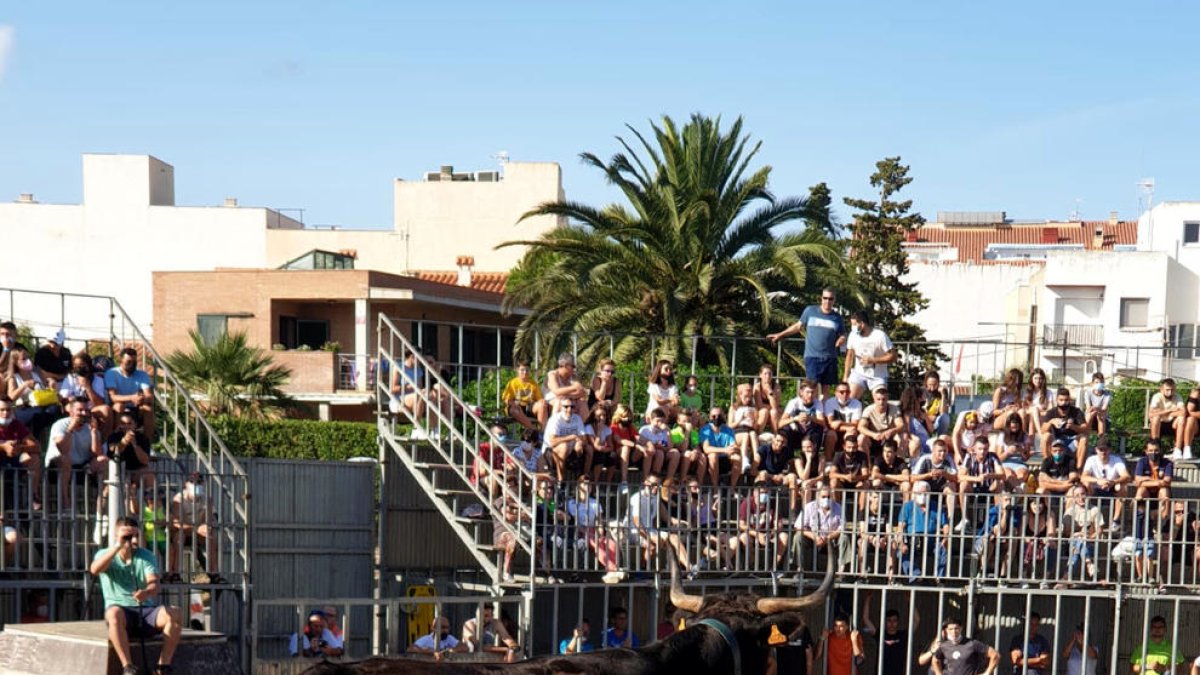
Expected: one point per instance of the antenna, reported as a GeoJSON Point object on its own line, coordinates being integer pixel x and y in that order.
{"type": "Point", "coordinates": [501, 156]}
{"type": "Point", "coordinates": [1146, 204]}
{"type": "Point", "coordinates": [1075, 214]}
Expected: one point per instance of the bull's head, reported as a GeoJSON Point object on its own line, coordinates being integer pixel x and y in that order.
{"type": "Point", "coordinates": [754, 620]}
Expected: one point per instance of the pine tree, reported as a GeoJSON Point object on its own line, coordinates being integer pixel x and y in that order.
{"type": "Point", "coordinates": [877, 255]}
{"type": "Point", "coordinates": [821, 216]}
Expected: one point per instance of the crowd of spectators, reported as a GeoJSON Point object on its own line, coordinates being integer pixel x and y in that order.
{"type": "Point", "coordinates": [783, 472]}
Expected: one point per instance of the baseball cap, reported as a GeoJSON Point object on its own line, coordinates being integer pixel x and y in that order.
{"type": "Point", "coordinates": [60, 337]}
{"type": "Point", "coordinates": [985, 410]}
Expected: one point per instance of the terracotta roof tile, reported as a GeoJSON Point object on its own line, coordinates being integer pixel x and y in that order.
{"type": "Point", "coordinates": [489, 282]}
{"type": "Point", "coordinates": [971, 242]}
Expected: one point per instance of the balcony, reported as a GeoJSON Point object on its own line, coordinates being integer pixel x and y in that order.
{"type": "Point", "coordinates": [1073, 334]}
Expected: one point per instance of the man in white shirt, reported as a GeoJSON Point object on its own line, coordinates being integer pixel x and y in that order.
{"type": "Point", "coordinates": [1105, 476]}
{"type": "Point", "coordinates": [75, 444]}
{"type": "Point", "coordinates": [842, 414]}
{"type": "Point", "coordinates": [868, 353]}
{"type": "Point", "coordinates": [804, 417]}
{"type": "Point", "coordinates": [655, 441]}
{"type": "Point", "coordinates": [1167, 413]}
{"type": "Point", "coordinates": [438, 642]}
{"type": "Point", "coordinates": [564, 438]}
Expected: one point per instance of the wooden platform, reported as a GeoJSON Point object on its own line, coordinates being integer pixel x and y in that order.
{"type": "Point", "coordinates": [82, 647]}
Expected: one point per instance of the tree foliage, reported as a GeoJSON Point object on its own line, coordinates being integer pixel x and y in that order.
{"type": "Point", "coordinates": [692, 251]}
{"type": "Point", "coordinates": [233, 377]}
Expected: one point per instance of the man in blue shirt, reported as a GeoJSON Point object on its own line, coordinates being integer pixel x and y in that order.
{"type": "Point", "coordinates": [824, 334]}
{"type": "Point", "coordinates": [131, 389]}
{"type": "Point", "coordinates": [619, 635]}
{"type": "Point", "coordinates": [720, 448]}
{"type": "Point", "coordinates": [924, 532]}
{"type": "Point", "coordinates": [579, 641]}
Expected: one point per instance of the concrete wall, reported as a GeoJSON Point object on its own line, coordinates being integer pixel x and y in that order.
{"type": "Point", "coordinates": [992, 294]}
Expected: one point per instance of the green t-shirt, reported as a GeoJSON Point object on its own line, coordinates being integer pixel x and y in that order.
{"type": "Point", "coordinates": [690, 401]}
{"type": "Point", "coordinates": [677, 437]}
{"type": "Point", "coordinates": [1157, 653]}
{"type": "Point", "coordinates": [121, 579]}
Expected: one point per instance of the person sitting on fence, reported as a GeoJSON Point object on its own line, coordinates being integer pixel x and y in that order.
{"type": "Point", "coordinates": [842, 414]}
{"type": "Point", "coordinates": [1006, 399]}
{"type": "Point", "coordinates": [317, 640]}
{"type": "Point", "coordinates": [761, 532]}
{"type": "Point", "coordinates": [1096, 400]}
{"type": "Point", "coordinates": [31, 392]}
{"type": "Point", "coordinates": [83, 382]}
{"type": "Point", "coordinates": [519, 396]}
{"type": "Point", "coordinates": [721, 449]}
{"type": "Point", "coordinates": [54, 359]}
{"type": "Point", "coordinates": [192, 522]}
{"type": "Point", "coordinates": [562, 385]}
{"type": "Point", "coordinates": [625, 444]}
{"type": "Point", "coordinates": [129, 583]}
{"type": "Point", "coordinates": [406, 381]}
{"type": "Point", "coordinates": [804, 417]}
{"type": "Point", "coordinates": [768, 399]}
{"type": "Point", "coordinates": [773, 466]}
{"type": "Point", "coordinates": [75, 444]}
{"type": "Point", "coordinates": [938, 402]}
{"type": "Point", "coordinates": [605, 391]}
{"type": "Point", "coordinates": [1167, 414]}
{"type": "Point", "coordinates": [489, 635]}
{"type": "Point", "coordinates": [18, 448]}
{"type": "Point", "coordinates": [563, 441]}
{"type": "Point", "coordinates": [130, 388]}
{"type": "Point", "coordinates": [744, 420]}
{"type": "Point", "coordinates": [1105, 476]}
{"type": "Point", "coordinates": [918, 425]}
{"type": "Point", "coordinates": [129, 446]}
{"type": "Point", "coordinates": [587, 515]}
{"type": "Point", "coordinates": [655, 441]}
{"type": "Point", "coordinates": [685, 437]}
{"type": "Point", "coordinates": [661, 392]}
{"type": "Point", "coordinates": [1058, 472]}
{"type": "Point", "coordinates": [438, 642]}
{"type": "Point", "coordinates": [971, 424]}
{"type": "Point", "coordinates": [603, 460]}
{"type": "Point", "coordinates": [868, 353]}
{"type": "Point", "coordinates": [1081, 525]}
{"type": "Point", "coordinates": [880, 421]}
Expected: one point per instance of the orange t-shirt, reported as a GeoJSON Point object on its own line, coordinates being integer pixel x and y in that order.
{"type": "Point", "coordinates": [839, 655]}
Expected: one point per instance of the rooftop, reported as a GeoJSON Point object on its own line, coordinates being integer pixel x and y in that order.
{"type": "Point", "coordinates": [972, 242]}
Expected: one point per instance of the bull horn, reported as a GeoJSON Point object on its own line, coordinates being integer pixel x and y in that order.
{"type": "Point", "coordinates": [768, 606]}
{"type": "Point", "coordinates": [681, 600]}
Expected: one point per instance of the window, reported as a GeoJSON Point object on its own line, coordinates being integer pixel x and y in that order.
{"type": "Point", "coordinates": [211, 327]}
{"type": "Point", "coordinates": [1184, 337]}
{"type": "Point", "coordinates": [1135, 312]}
{"type": "Point", "coordinates": [1191, 233]}
{"type": "Point", "coordinates": [312, 332]}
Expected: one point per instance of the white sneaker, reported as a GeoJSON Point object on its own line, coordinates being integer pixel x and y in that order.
{"type": "Point", "coordinates": [613, 577]}
{"type": "Point", "coordinates": [961, 526]}
{"type": "Point", "coordinates": [1176, 455]}
{"type": "Point", "coordinates": [509, 578]}
{"type": "Point", "coordinates": [1187, 452]}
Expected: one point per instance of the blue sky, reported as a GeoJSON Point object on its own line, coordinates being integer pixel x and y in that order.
{"type": "Point", "coordinates": [1022, 107]}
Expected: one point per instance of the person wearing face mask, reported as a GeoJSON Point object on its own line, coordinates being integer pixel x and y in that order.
{"type": "Point", "coordinates": [924, 534]}
{"type": "Point", "coordinates": [191, 526]}
{"type": "Point", "coordinates": [773, 466]}
{"type": "Point", "coordinates": [489, 464]}
{"type": "Point", "coordinates": [53, 358]}
{"type": "Point", "coordinates": [8, 342]}
{"type": "Point", "coordinates": [82, 382]}
{"type": "Point", "coordinates": [720, 449]}
{"type": "Point", "coordinates": [35, 399]}
{"type": "Point", "coordinates": [438, 642]}
{"type": "Point", "coordinates": [1058, 472]}
{"type": "Point", "coordinates": [1096, 400]}
{"type": "Point", "coordinates": [131, 447]}
{"type": "Point", "coordinates": [18, 448]}
{"type": "Point", "coordinates": [761, 539]}
{"type": "Point", "coordinates": [131, 388]}
{"type": "Point", "coordinates": [1065, 423]}
{"type": "Point", "coordinates": [1152, 476]}
{"type": "Point", "coordinates": [819, 530]}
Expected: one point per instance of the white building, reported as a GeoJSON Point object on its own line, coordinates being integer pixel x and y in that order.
{"type": "Point", "coordinates": [129, 226]}
{"type": "Point", "coordinates": [1072, 298]}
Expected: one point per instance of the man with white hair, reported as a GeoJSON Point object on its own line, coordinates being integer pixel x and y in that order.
{"type": "Point", "coordinates": [925, 533]}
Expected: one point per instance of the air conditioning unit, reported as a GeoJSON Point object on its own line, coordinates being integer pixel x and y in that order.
{"type": "Point", "coordinates": [487, 176]}
{"type": "Point", "coordinates": [433, 176]}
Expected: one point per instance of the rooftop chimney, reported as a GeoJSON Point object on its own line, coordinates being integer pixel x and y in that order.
{"type": "Point", "coordinates": [447, 172]}
{"type": "Point", "coordinates": [26, 198]}
{"type": "Point", "coordinates": [231, 201]}
{"type": "Point", "coordinates": [465, 263]}
{"type": "Point", "coordinates": [1112, 218]}
{"type": "Point", "coordinates": [1049, 235]}
{"type": "Point", "coordinates": [1098, 236]}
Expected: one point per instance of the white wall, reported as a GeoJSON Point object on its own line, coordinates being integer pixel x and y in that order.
{"type": "Point", "coordinates": [969, 301]}
{"type": "Point", "coordinates": [1162, 230]}
{"type": "Point", "coordinates": [110, 244]}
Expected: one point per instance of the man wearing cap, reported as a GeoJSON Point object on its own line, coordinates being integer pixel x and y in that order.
{"type": "Point", "coordinates": [318, 640]}
{"type": "Point", "coordinates": [1104, 475]}
{"type": "Point", "coordinates": [1065, 422]}
{"type": "Point", "coordinates": [331, 620]}
{"type": "Point", "coordinates": [1058, 472]}
{"type": "Point", "coordinates": [54, 359]}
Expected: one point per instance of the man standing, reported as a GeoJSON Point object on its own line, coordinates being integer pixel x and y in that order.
{"type": "Point", "coordinates": [868, 353]}
{"type": "Point", "coordinates": [1158, 655]}
{"type": "Point", "coordinates": [959, 655]}
{"type": "Point", "coordinates": [824, 334]}
{"type": "Point", "coordinates": [129, 582]}
{"type": "Point", "coordinates": [1034, 654]}
{"type": "Point", "coordinates": [842, 647]}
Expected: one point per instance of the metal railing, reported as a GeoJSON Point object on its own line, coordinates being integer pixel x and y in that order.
{"type": "Point", "coordinates": [354, 372]}
{"type": "Point", "coordinates": [1081, 335]}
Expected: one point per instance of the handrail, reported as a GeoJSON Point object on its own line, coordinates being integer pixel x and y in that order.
{"type": "Point", "coordinates": [514, 476]}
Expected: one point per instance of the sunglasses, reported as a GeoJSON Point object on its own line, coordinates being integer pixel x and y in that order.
{"type": "Point", "coordinates": [826, 297]}
{"type": "Point", "coordinates": [568, 407]}
{"type": "Point", "coordinates": [609, 371]}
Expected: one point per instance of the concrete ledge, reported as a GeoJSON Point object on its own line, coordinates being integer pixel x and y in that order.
{"type": "Point", "coordinates": [82, 647]}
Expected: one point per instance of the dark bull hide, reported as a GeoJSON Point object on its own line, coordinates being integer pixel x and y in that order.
{"type": "Point", "coordinates": [696, 650]}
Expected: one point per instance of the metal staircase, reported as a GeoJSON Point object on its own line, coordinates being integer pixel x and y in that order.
{"type": "Point", "coordinates": [441, 451]}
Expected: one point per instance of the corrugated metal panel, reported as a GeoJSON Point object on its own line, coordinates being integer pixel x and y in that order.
{"type": "Point", "coordinates": [416, 535]}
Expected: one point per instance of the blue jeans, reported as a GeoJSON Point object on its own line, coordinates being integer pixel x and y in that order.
{"type": "Point", "coordinates": [911, 563]}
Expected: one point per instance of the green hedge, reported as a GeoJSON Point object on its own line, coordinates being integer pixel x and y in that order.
{"type": "Point", "coordinates": [297, 439]}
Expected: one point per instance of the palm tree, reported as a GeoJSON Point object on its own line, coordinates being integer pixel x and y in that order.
{"type": "Point", "coordinates": [234, 377]}
{"type": "Point", "coordinates": [692, 253]}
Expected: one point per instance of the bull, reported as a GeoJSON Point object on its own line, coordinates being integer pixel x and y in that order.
{"type": "Point", "coordinates": [727, 633]}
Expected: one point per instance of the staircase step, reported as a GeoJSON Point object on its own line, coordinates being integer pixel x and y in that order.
{"type": "Point", "coordinates": [451, 492]}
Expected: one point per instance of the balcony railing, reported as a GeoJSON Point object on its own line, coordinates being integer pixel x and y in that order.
{"type": "Point", "coordinates": [723, 532]}
{"type": "Point", "coordinates": [1073, 334]}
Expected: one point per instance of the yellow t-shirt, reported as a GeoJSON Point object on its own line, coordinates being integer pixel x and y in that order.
{"type": "Point", "coordinates": [522, 391]}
